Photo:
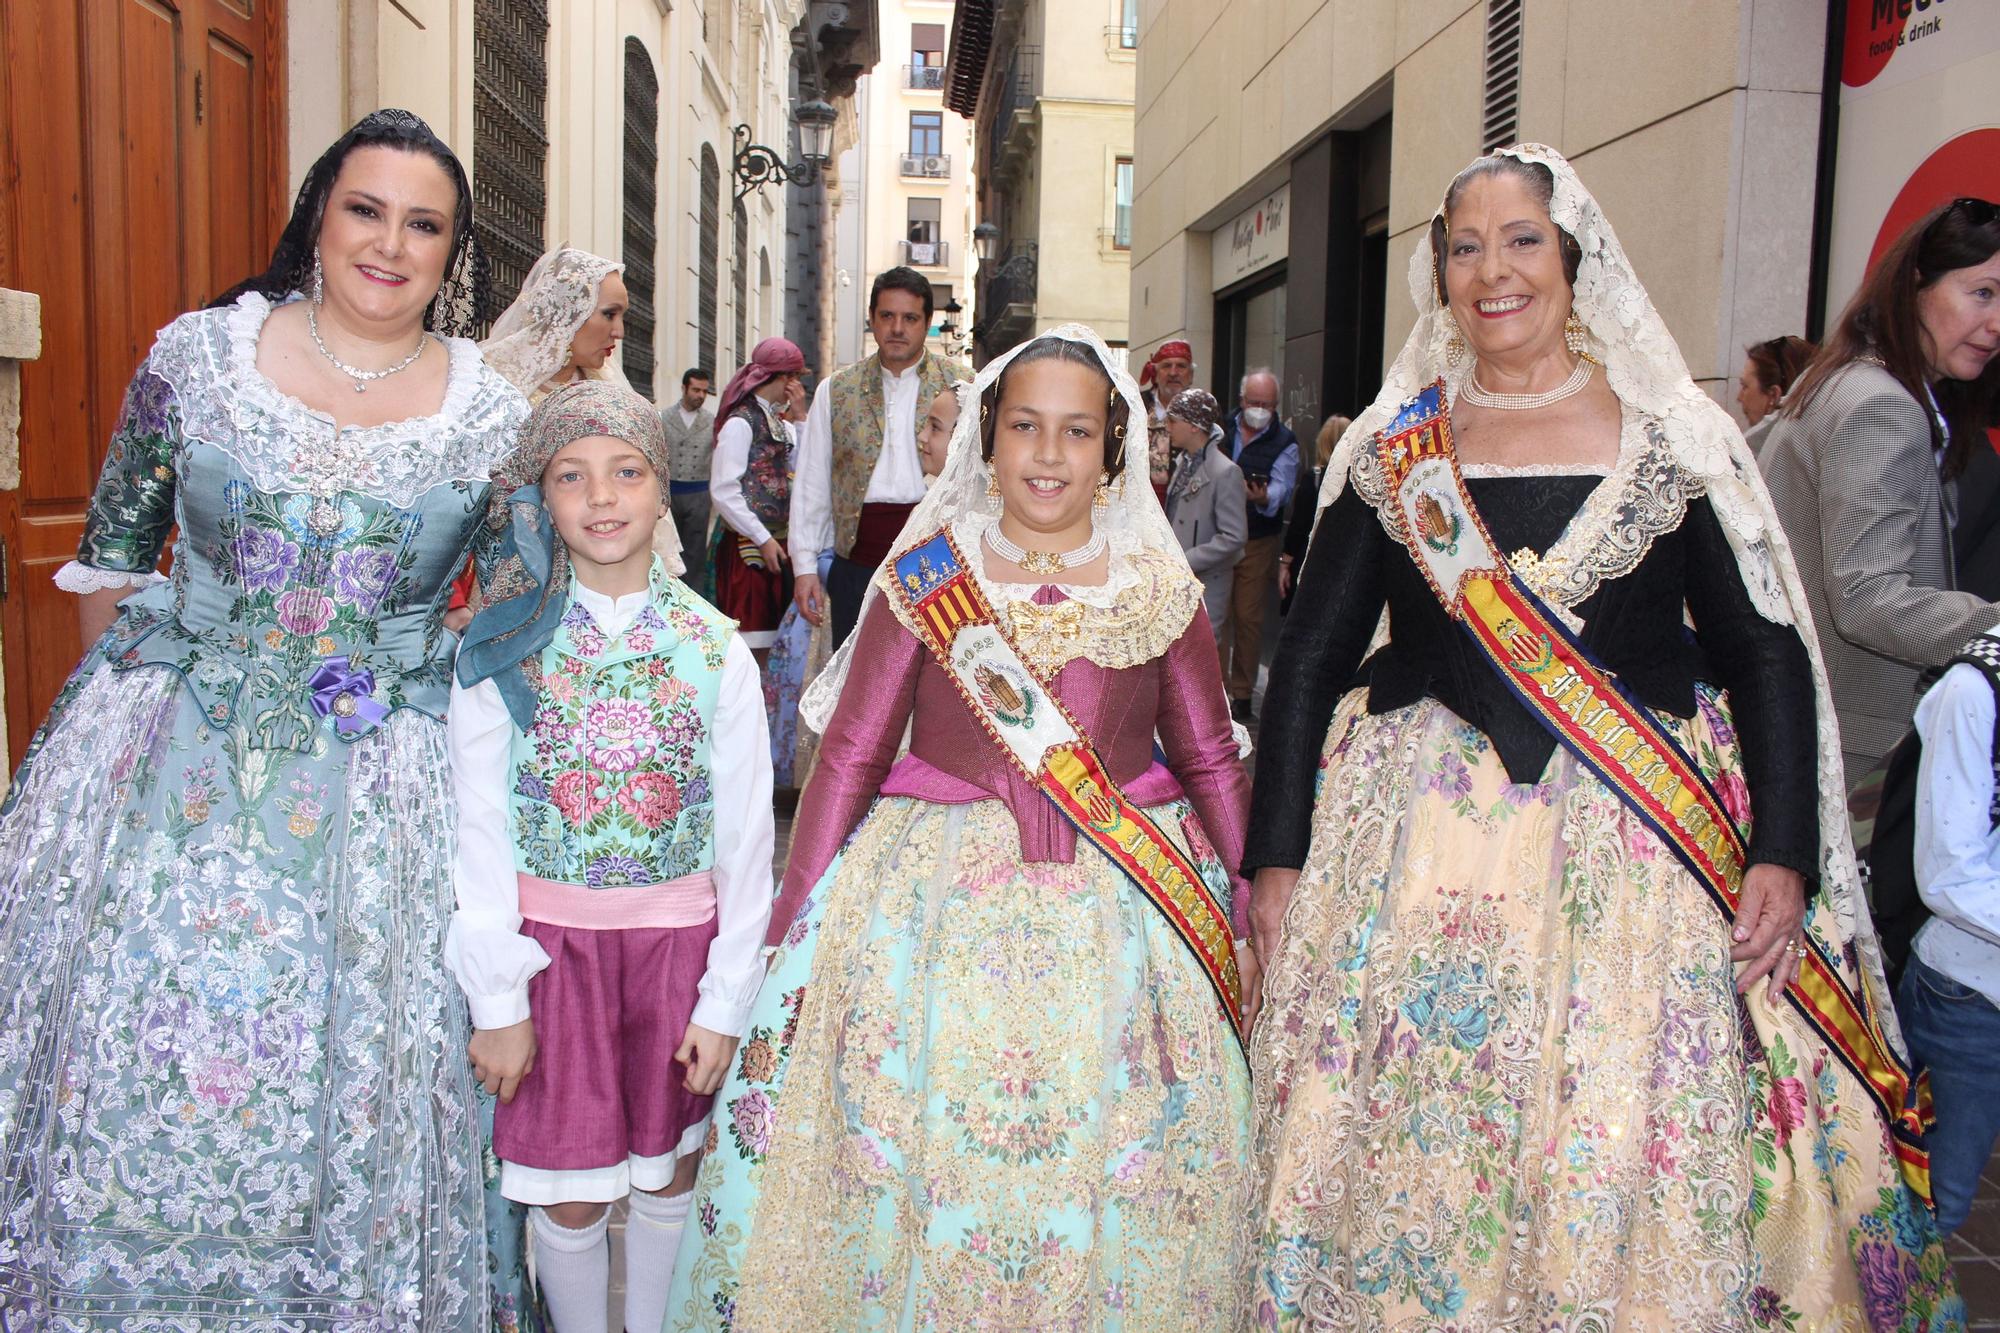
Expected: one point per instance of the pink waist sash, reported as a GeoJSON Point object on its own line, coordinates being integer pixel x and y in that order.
{"type": "Point", "coordinates": [916, 777]}
{"type": "Point", "coordinates": [687, 901]}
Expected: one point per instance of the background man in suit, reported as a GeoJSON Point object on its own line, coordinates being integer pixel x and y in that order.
{"type": "Point", "coordinates": [1268, 454]}
{"type": "Point", "coordinates": [690, 427]}
{"type": "Point", "coordinates": [1206, 502]}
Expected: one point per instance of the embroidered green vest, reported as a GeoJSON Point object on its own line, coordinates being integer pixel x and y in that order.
{"type": "Point", "coordinates": [857, 410]}
{"type": "Point", "coordinates": [612, 786]}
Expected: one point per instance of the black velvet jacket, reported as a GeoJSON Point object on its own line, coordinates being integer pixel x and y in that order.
{"type": "Point", "coordinates": [1633, 625]}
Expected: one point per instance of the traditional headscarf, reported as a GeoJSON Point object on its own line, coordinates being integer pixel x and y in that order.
{"type": "Point", "coordinates": [768, 360]}
{"type": "Point", "coordinates": [1197, 407]}
{"type": "Point", "coordinates": [460, 305]}
{"type": "Point", "coordinates": [1165, 351]}
{"type": "Point", "coordinates": [1131, 519]}
{"type": "Point", "coordinates": [530, 342]}
{"type": "Point", "coordinates": [1624, 332]}
{"type": "Point", "coordinates": [526, 589]}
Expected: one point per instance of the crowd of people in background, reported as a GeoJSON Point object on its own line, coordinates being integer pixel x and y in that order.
{"type": "Point", "coordinates": [391, 891]}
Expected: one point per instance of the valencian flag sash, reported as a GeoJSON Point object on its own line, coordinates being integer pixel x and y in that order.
{"type": "Point", "coordinates": [1016, 707]}
{"type": "Point", "coordinates": [1616, 738]}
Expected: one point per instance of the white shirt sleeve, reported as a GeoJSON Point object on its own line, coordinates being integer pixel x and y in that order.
{"type": "Point", "coordinates": [1957, 852]}
{"type": "Point", "coordinates": [740, 768]}
{"type": "Point", "coordinates": [812, 482]}
{"type": "Point", "coordinates": [725, 480]}
{"type": "Point", "coordinates": [484, 947]}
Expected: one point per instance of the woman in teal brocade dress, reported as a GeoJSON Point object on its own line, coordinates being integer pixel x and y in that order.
{"type": "Point", "coordinates": [233, 1089]}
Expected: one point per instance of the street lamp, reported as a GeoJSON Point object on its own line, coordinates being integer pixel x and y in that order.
{"type": "Point", "coordinates": [756, 166]}
{"type": "Point", "coordinates": [948, 330]}
{"type": "Point", "coordinates": [984, 237]}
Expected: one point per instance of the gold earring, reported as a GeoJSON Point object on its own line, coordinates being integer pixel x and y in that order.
{"type": "Point", "coordinates": [1454, 345]}
{"type": "Point", "coordinates": [993, 504]}
{"type": "Point", "coordinates": [1101, 499]}
{"type": "Point", "coordinates": [1573, 335]}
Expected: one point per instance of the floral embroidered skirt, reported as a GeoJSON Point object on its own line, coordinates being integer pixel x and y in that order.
{"type": "Point", "coordinates": [233, 1084]}
{"type": "Point", "coordinates": [1504, 1080]}
{"type": "Point", "coordinates": [975, 1094]}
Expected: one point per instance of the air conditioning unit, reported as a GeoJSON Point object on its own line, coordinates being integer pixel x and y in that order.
{"type": "Point", "coordinates": [937, 166]}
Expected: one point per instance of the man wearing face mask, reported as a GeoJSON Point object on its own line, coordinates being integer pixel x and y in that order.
{"type": "Point", "coordinates": [1268, 453]}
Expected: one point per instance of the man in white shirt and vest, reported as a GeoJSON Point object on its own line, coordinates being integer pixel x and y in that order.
{"type": "Point", "coordinates": [856, 474]}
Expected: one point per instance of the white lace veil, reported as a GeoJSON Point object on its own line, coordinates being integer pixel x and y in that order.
{"type": "Point", "coordinates": [531, 339]}
{"type": "Point", "coordinates": [1644, 367]}
{"type": "Point", "coordinates": [1132, 519]}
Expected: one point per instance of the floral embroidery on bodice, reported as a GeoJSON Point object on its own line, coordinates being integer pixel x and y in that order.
{"type": "Point", "coordinates": [312, 562]}
{"type": "Point", "coordinates": [767, 477]}
{"type": "Point", "coordinates": [611, 786]}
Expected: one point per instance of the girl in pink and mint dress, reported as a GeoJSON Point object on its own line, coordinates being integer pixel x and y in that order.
{"type": "Point", "coordinates": [613, 772]}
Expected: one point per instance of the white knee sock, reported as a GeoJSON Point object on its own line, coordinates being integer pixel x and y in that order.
{"type": "Point", "coordinates": [652, 1238]}
{"type": "Point", "coordinates": [573, 1269]}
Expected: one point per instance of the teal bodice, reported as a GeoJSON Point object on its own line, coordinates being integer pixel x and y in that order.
{"type": "Point", "coordinates": [612, 785]}
{"type": "Point", "coordinates": [312, 563]}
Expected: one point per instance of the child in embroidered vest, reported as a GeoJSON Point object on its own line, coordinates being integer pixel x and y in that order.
{"type": "Point", "coordinates": [613, 772]}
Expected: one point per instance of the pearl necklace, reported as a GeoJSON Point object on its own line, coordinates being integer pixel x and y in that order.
{"type": "Point", "coordinates": [1045, 562]}
{"type": "Point", "coordinates": [1527, 402]}
{"type": "Point", "coordinates": [359, 376]}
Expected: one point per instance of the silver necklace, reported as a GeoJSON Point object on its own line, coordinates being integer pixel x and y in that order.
{"type": "Point", "coordinates": [1045, 562]}
{"type": "Point", "coordinates": [1526, 402]}
{"type": "Point", "coordinates": [359, 376]}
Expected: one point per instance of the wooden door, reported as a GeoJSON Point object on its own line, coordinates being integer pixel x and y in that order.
{"type": "Point", "coordinates": [141, 172]}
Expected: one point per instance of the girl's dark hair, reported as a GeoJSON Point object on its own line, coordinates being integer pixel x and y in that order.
{"type": "Point", "coordinates": [461, 303]}
{"type": "Point", "coordinates": [1881, 324]}
{"type": "Point", "coordinates": [1778, 361]}
{"type": "Point", "coordinates": [1058, 349]}
{"type": "Point", "coordinates": [1541, 183]}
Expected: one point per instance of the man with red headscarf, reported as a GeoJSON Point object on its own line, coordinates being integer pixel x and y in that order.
{"type": "Point", "coordinates": [1164, 377]}
{"type": "Point", "coordinates": [750, 483]}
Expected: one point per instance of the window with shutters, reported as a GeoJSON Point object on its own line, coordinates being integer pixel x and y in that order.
{"type": "Point", "coordinates": [1501, 120]}
{"type": "Point", "coordinates": [709, 273]}
{"type": "Point", "coordinates": [742, 283]}
{"type": "Point", "coordinates": [642, 160]}
{"type": "Point", "coordinates": [1121, 204]}
{"type": "Point", "coordinates": [510, 137]}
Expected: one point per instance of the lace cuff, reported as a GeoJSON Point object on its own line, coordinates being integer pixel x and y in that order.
{"type": "Point", "coordinates": [78, 577]}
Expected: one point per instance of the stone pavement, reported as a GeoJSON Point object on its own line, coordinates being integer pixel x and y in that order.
{"type": "Point", "coordinates": [1975, 1252]}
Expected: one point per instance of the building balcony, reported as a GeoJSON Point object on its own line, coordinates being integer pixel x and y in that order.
{"type": "Point", "coordinates": [929, 166]}
{"type": "Point", "coordinates": [924, 78]}
{"type": "Point", "coordinates": [925, 254]}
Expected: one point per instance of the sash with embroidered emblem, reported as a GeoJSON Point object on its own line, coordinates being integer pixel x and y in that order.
{"type": "Point", "coordinates": [1023, 715]}
{"type": "Point", "coordinates": [1615, 737]}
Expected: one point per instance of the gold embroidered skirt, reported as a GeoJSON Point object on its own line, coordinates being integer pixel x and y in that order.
{"type": "Point", "coordinates": [1504, 1081]}
{"type": "Point", "coordinates": [976, 1094]}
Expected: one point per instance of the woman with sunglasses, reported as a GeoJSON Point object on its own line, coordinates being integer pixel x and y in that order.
{"type": "Point", "coordinates": [1863, 462]}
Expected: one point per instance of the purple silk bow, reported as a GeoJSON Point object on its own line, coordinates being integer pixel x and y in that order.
{"type": "Point", "coordinates": [348, 695]}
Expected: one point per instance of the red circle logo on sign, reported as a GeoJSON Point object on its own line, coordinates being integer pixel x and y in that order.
{"type": "Point", "coordinates": [1967, 164]}
{"type": "Point", "coordinates": [1869, 45]}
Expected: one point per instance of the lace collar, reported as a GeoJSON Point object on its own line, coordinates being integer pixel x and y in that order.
{"type": "Point", "coordinates": [1134, 616]}
{"type": "Point", "coordinates": [1644, 493]}
{"type": "Point", "coordinates": [209, 359]}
